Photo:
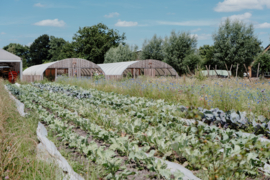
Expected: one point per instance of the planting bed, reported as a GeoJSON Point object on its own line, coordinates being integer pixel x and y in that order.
{"type": "Point", "coordinates": [116, 131]}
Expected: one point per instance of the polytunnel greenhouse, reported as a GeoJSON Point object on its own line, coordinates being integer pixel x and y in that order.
{"type": "Point", "coordinates": [147, 67]}
{"type": "Point", "coordinates": [72, 67]}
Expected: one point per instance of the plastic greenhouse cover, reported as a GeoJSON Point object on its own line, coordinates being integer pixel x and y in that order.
{"type": "Point", "coordinates": [213, 73]}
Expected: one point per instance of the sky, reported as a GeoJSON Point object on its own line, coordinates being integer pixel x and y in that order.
{"type": "Point", "coordinates": [22, 21]}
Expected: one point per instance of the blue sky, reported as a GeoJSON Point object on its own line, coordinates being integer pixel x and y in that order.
{"type": "Point", "coordinates": [22, 21]}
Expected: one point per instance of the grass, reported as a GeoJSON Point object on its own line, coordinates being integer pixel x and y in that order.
{"type": "Point", "coordinates": [225, 94]}
{"type": "Point", "coordinates": [18, 142]}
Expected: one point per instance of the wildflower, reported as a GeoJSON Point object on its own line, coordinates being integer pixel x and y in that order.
{"type": "Point", "coordinates": [6, 177]}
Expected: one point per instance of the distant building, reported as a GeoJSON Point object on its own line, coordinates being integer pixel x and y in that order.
{"type": "Point", "coordinates": [10, 62]}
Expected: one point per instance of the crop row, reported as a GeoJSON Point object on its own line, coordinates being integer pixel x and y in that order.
{"type": "Point", "coordinates": [201, 146]}
{"type": "Point", "coordinates": [130, 149]}
{"type": "Point", "coordinates": [143, 108]}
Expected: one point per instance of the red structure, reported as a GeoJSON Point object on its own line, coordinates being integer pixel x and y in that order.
{"type": "Point", "coordinates": [12, 75]}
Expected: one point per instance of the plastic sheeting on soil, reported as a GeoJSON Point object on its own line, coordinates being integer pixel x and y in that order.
{"type": "Point", "coordinates": [47, 150]}
{"type": "Point", "coordinates": [188, 175]}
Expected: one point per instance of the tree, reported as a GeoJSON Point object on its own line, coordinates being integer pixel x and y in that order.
{"type": "Point", "coordinates": [93, 42]}
{"type": "Point", "coordinates": [264, 60]}
{"type": "Point", "coordinates": [192, 61]}
{"type": "Point", "coordinates": [177, 47]}
{"type": "Point", "coordinates": [235, 43]}
{"type": "Point", "coordinates": [207, 53]}
{"type": "Point", "coordinates": [67, 51]}
{"type": "Point", "coordinates": [56, 45]}
{"type": "Point", "coordinates": [152, 49]}
{"type": "Point", "coordinates": [19, 50]}
{"type": "Point", "coordinates": [39, 50]}
{"type": "Point", "coordinates": [120, 54]}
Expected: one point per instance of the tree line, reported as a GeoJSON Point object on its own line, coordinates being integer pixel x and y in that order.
{"type": "Point", "coordinates": [234, 43]}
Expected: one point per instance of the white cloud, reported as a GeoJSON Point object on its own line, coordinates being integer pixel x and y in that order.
{"type": "Point", "coordinates": [39, 5]}
{"type": "Point", "coordinates": [202, 36]}
{"type": "Point", "coordinates": [238, 5]}
{"type": "Point", "coordinates": [196, 30]}
{"type": "Point", "coordinates": [126, 23]}
{"type": "Point", "coordinates": [188, 23]}
{"type": "Point", "coordinates": [111, 15]}
{"type": "Point", "coordinates": [49, 22]}
{"type": "Point", "coordinates": [263, 25]}
{"type": "Point", "coordinates": [2, 33]}
{"type": "Point", "coordinates": [170, 13]}
{"type": "Point", "coordinates": [243, 17]}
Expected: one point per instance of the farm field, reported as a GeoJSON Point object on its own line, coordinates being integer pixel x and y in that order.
{"type": "Point", "coordinates": [114, 131]}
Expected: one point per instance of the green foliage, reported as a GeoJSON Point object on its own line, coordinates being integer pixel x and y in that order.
{"type": "Point", "coordinates": [120, 54]}
{"type": "Point", "coordinates": [67, 51]}
{"type": "Point", "coordinates": [199, 76]}
{"type": "Point", "coordinates": [177, 47]}
{"type": "Point", "coordinates": [235, 42]}
{"type": "Point", "coordinates": [98, 76]}
{"type": "Point", "coordinates": [93, 42]}
{"type": "Point", "coordinates": [264, 60]}
{"type": "Point", "coordinates": [192, 61]}
{"type": "Point", "coordinates": [207, 54]}
{"type": "Point", "coordinates": [39, 50]}
{"type": "Point", "coordinates": [56, 45]}
{"type": "Point", "coordinates": [19, 50]}
{"type": "Point", "coordinates": [152, 49]}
